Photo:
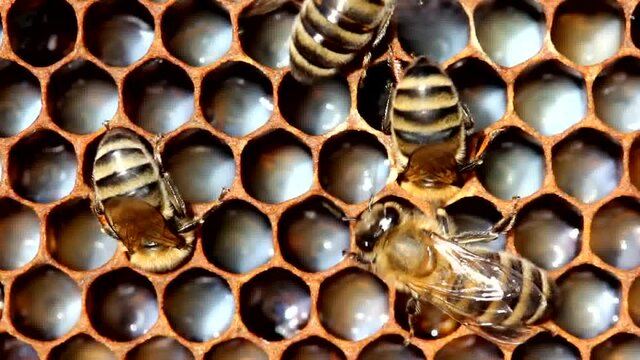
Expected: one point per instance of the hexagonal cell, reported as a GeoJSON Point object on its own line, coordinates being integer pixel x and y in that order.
{"type": "Point", "coordinates": [429, 323]}
{"type": "Point", "coordinates": [634, 164]}
{"type": "Point", "coordinates": [615, 95]}
{"type": "Point", "coordinates": [390, 347]}
{"type": "Point", "coordinates": [510, 32]}
{"type": "Point", "coordinates": [14, 349]}
{"type": "Point", "coordinates": [118, 32]}
{"type": "Point", "coordinates": [45, 303]}
{"type": "Point", "coordinates": [39, 38]}
{"type": "Point", "coordinates": [548, 232]}
{"type": "Point", "coordinates": [470, 347]}
{"type": "Point", "coordinates": [550, 97]}
{"type": "Point", "coordinates": [313, 235]}
{"type": "Point", "coordinates": [20, 102]}
{"type": "Point", "coordinates": [588, 32]}
{"type": "Point", "coordinates": [590, 301]}
{"type": "Point", "coordinates": [160, 348]}
{"type": "Point", "coordinates": [374, 90]}
{"type": "Point", "coordinates": [514, 165]}
{"type": "Point", "coordinates": [265, 38]}
{"type": "Point", "coordinates": [622, 346]}
{"type": "Point", "coordinates": [275, 304]}
{"type": "Point", "coordinates": [200, 165]}
{"type": "Point", "coordinates": [237, 98]}
{"type": "Point", "coordinates": [237, 237]}
{"type": "Point", "coordinates": [353, 304]}
{"type": "Point", "coordinates": [81, 347]}
{"type": "Point", "coordinates": [82, 97]}
{"type": "Point", "coordinates": [75, 238]}
{"type": "Point", "coordinates": [587, 165]}
{"type": "Point", "coordinates": [199, 305]}
{"type": "Point", "coordinates": [481, 89]}
{"type": "Point", "coordinates": [477, 214]}
{"type": "Point", "coordinates": [158, 96]}
{"type": "Point", "coordinates": [20, 227]}
{"type": "Point", "coordinates": [196, 32]}
{"type": "Point", "coordinates": [313, 348]}
{"type": "Point", "coordinates": [42, 167]}
{"type": "Point", "coordinates": [238, 348]}
{"type": "Point", "coordinates": [315, 109]}
{"type": "Point", "coordinates": [545, 346]}
{"type": "Point", "coordinates": [614, 233]}
{"type": "Point", "coordinates": [353, 166]}
{"type": "Point", "coordinates": [634, 301]}
{"type": "Point", "coordinates": [122, 305]}
{"type": "Point", "coordinates": [438, 29]}
{"type": "Point", "coordinates": [276, 167]}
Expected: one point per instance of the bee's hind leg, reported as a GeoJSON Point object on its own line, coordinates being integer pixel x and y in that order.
{"type": "Point", "coordinates": [502, 226]}
{"type": "Point", "coordinates": [413, 309]}
{"type": "Point", "coordinates": [480, 155]}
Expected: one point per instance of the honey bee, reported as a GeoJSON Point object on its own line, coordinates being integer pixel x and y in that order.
{"type": "Point", "coordinates": [499, 295]}
{"type": "Point", "coordinates": [138, 204]}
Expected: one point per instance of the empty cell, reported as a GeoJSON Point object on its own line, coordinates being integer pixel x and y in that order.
{"type": "Point", "coordinates": [237, 237]}
{"type": "Point", "coordinates": [234, 349]}
{"type": "Point", "coordinates": [622, 346]}
{"type": "Point", "coordinates": [237, 98]}
{"type": "Point", "coordinates": [353, 304]}
{"type": "Point", "coordinates": [550, 97]}
{"type": "Point", "coordinates": [429, 323]}
{"type": "Point", "coordinates": [20, 102]}
{"type": "Point", "coordinates": [634, 301]}
{"type": "Point", "coordinates": [587, 165]}
{"type": "Point", "coordinates": [614, 233]}
{"type": "Point", "coordinates": [45, 303]}
{"type": "Point", "coordinates": [548, 232]}
{"type": "Point", "coordinates": [122, 305]}
{"type": "Point", "coordinates": [588, 32]}
{"type": "Point", "coordinates": [199, 305]}
{"type": "Point", "coordinates": [275, 304]}
{"type": "Point", "coordinates": [160, 348]}
{"type": "Point", "coordinates": [514, 165]}
{"type": "Point", "coordinates": [313, 348]}
{"type": "Point", "coordinates": [510, 33]}
{"type": "Point", "coordinates": [14, 349]}
{"type": "Point", "coordinates": [374, 90]}
{"type": "Point", "coordinates": [616, 95]}
{"type": "Point", "coordinates": [118, 32]}
{"type": "Point", "coordinates": [470, 347]}
{"type": "Point", "coordinates": [477, 214]}
{"type": "Point", "coordinates": [20, 228]}
{"type": "Point", "coordinates": [158, 96]}
{"type": "Point", "coordinates": [315, 109]}
{"type": "Point", "coordinates": [42, 167]}
{"type": "Point", "coordinates": [313, 235]}
{"type": "Point", "coordinates": [277, 167]}
{"type": "Point", "coordinates": [353, 166]}
{"type": "Point", "coordinates": [634, 164]}
{"type": "Point", "coordinates": [81, 347]}
{"type": "Point", "coordinates": [196, 32]}
{"type": "Point", "coordinates": [265, 38]}
{"type": "Point", "coordinates": [200, 165]}
{"type": "Point", "coordinates": [390, 347]}
{"type": "Point", "coordinates": [590, 301]}
{"type": "Point", "coordinates": [82, 97]}
{"type": "Point", "coordinates": [545, 346]}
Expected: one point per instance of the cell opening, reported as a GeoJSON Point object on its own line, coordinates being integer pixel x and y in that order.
{"type": "Point", "coordinates": [616, 95]}
{"type": "Point", "coordinates": [614, 233]}
{"type": "Point", "coordinates": [313, 347]}
{"type": "Point", "coordinates": [265, 38]}
{"type": "Point", "coordinates": [477, 214]}
{"type": "Point", "coordinates": [546, 346]}
{"type": "Point", "coordinates": [20, 227]}
{"type": "Point", "coordinates": [160, 348]}
{"type": "Point", "coordinates": [20, 98]}
{"type": "Point", "coordinates": [390, 347]}
{"type": "Point", "coordinates": [81, 347]}
{"type": "Point", "coordinates": [619, 346]}
{"type": "Point", "coordinates": [374, 91]}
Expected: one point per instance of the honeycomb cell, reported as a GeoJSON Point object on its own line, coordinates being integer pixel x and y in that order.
{"type": "Point", "coordinates": [20, 102]}
{"type": "Point", "coordinates": [160, 348]}
{"type": "Point", "coordinates": [39, 38]}
{"type": "Point", "coordinates": [477, 214]}
{"type": "Point", "coordinates": [75, 239]}
{"type": "Point", "coordinates": [237, 237]}
{"type": "Point", "coordinates": [353, 304]}
{"type": "Point", "coordinates": [548, 232]}
{"type": "Point", "coordinates": [438, 29]}
{"type": "Point", "coordinates": [510, 33]}
{"type": "Point", "coordinates": [315, 109]}
{"type": "Point", "coordinates": [544, 346]}
{"type": "Point", "coordinates": [614, 233]}
{"type": "Point", "coordinates": [588, 32]}
{"type": "Point", "coordinates": [616, 95]}
{"type": "Point", "coordinates": [42, 167]}
{"type": "Point", "coordinates": [634, 164]}
{"type": "Point", "coordinates": [275, 304]}
{"type": "Point", "coordinates": [587, 165]}
{"type": "Point", "coordinates": [634, 301]}
{"type": "Point", "coordinates": [14, 349]}
{"type": "Point", "coordinates": [470, 347]}
{"type": "Point", "coordinates": [122, 305]}
{"type": "Point", "coordinates": [20, 228]}
{"type": "Point", "coordinates": [45, 303]}
{"type": "Point", "coordinates": [277, 167]}
{"type": "Point", "coordinates": [514, 165]}
{"type": "Point", "coordinates": [158, 96]}
{"type": "Point", "coordinates": [390, 347]}
{"type": "Point", "coordinates": [82, 97]}
{"type": "Point", "coordinates": [590, 301]}
{"type": "Point", "coordinates": [196, 32]}
{"type": "Point", "coordinates": [622, 346]}
{"type": "Point", "coordinates": [118, 32]}
{"type": "Point", "coordinates": [429, 323]}
{"type": "Point", "coordinates": [200, 165]}
{"type": "Point", "coordinates": [81, 347]}
{"type": "Point", "coordinates": [550, 97]}
{"type": "Point", "coordinates": [313, 235]}
{"type": "Point", "coordinates": [234, 349]}
{"type": "Point", "coordinates": [199, 305]}
{"type": "Point", "coordinates": [265, 38]}
{"type": "Point", "coordinates": [374, 90]}
{"type": "Point", "coordinates": [353, 166]}
{"type": "Point", "coordinates": [237, 98]}
{"type": "Point", "coordinates": [481, 89]}
{"type": "Point", "coordinates": [313, 348]}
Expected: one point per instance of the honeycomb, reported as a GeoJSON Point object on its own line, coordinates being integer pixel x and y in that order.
{"type": "Point", "coordinates": [268, 279]}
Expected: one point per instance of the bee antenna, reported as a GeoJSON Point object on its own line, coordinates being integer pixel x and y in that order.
{"type": "Point", "coordinates": [348, 219]}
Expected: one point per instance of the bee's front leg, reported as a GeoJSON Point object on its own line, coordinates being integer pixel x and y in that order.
{"type": "Point", "coordinates": [413, 309]}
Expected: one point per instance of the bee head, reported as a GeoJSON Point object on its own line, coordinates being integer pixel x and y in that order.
{"type": "Point", "coordinates": [375, 223]}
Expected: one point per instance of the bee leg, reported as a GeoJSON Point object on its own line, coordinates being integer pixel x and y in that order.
{"type": "Point", "coordinates": [506, 223]}
{"type": "Point", "coordinates": [105, 226]}
{"type": "Point", "coordinates": [412, 309]}
{"type": "Point", "coordinates": [482, 152]}
{"type": "Point", "coordinates": [502, 226]}
{"type": "Point", "coordinates": [444, 220]}
{"type": "Point", "coordinates": [355, 256]}
{"type": "Point", "coordinates": [467, 119]}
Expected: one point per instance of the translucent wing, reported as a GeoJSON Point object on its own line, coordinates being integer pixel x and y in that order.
{"type": "Point", "coordinates": [261, 7]}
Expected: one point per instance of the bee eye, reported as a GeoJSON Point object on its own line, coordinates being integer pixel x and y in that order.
{"type": "Point", "coordinates": [392, 215]}
{"type": "Point", "coordinates": [366, 242]}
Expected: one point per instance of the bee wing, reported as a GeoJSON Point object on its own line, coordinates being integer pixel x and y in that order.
{"type": "Point", "coordinates": [261, 7]}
